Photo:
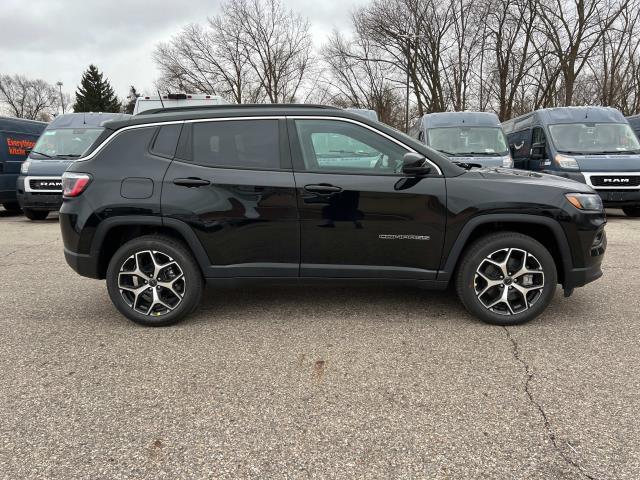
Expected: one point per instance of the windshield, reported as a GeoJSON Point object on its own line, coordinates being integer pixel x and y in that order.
{"type": "Point", "coordinates": [594, 138]}
{"type": "Point", "coordinates": [468, 140]}
{"type": "Point", "coordinates": [65, 142]}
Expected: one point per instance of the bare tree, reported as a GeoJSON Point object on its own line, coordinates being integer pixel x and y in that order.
{"type": "Point", "coordinates": [510, 26]}
{"type": "Point", "coordinates": [27, 98]}
{"type": "Point", "coordinates": [574, 29]}
{"type": "Point", "coordinates": [465, 40]}
{"type": "Point", "coordinates": [359, 80]}
{"type": "Point", "coordinates": [207, 60]}
{"type": "Point", "coordinates": [276, 44]}
{"type": "Point", "coordinates": [254, 50]}
{"type": "Point", "coordinates": [612, 70]}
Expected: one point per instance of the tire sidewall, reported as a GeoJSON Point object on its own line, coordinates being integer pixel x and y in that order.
{"type": "Point", "coordinates": [483, 248]}
{"type": "Point", "coordinates": [193, 280]}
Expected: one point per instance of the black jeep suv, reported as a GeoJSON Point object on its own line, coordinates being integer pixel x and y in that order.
{"type": "Point", "coordinates": [165, 201]}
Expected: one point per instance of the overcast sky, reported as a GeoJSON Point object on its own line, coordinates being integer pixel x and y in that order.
{"type": "Point", "coordinates": [57, 39]}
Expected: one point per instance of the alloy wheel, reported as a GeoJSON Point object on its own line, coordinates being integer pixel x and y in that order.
{"type": "Point", "coordinates": [151, 283]}
{"type": "Point", "coordinates": [509, 281]}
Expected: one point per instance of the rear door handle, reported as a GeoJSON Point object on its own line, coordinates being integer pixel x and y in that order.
{"type": "Point", "coordinates": [191, 182]}
{"type": "Point", "coordinates": [322, 189]}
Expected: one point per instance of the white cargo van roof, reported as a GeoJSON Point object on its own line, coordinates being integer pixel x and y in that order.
{"type": "Point", "coordinates": [171, 100]}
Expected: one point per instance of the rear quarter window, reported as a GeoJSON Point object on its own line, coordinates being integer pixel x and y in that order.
{"type": "Point", "coordinates": [166, 141]}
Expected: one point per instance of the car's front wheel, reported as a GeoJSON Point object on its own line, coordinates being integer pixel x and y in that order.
{"type": "Point", "coordinates": [35, 214]}
{"type": "Point", "coordinates": [506, 278]}
{"type": "Point", "coordinates": [154, 280]}
{"type": "Point", "coordinates": [631, 211]}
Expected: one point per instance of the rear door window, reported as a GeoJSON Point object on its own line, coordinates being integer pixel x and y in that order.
{"type": "Point", "coordinates": [251, 144]}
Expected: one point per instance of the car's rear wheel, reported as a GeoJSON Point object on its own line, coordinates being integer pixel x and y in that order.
{"type": "Point", "coordinates": [154, 281]}
{"type": "Point", "coordinates": [506, 278]}
{"type": "Point", "coordinates": [35, 214]}
{"type": "Point", "coordinates": [12, 207]}
{"type": "Point", "coordinates": [631, 211]}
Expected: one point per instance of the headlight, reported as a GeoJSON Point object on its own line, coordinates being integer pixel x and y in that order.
{"type": "Point", "coordinates": [585, 201]}
{"type": "Point", "coordinates": [24, 168]}
{"type": "Point", "coordinates": [507, 161]}
{"type": "Point", "coordinates": [566, 162]}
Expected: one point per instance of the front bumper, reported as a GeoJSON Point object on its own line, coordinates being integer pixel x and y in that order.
{"type": "Point", "coordinates": [580, 276]}
{"type": "Point", "coordinates": [49, 200]}
{"type": "Point", "coordinates": [620, 198]}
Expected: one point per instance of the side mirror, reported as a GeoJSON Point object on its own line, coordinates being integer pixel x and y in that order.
{"type": "Point", "coordinates": [413, 165]}
{"type": "Point", "coordinates": [538, 151]}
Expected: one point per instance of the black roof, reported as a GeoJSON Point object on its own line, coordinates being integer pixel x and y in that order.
{"type": "Point", "coordinates": [223, 106]}
{"type": "Point", "coordinates": [216, 111]}
{"type": "Point", "coordinates": [21, 125]}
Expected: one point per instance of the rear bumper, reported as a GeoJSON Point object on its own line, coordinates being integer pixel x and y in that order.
{"type": "Point", "coordinates": [85, 265]}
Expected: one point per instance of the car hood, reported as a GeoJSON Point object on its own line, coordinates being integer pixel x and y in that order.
{"type": "Point", "coordinates": [531, 178]}
{"type": "Point", "coordinates": [49, 167]}
{"type": "Point", "coordinates": [608, 163]}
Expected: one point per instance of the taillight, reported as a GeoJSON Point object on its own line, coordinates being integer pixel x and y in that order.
{"type": "Point", "coordinates": [73, 184]}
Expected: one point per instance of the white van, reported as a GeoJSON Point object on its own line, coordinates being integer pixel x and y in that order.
{"type": "Point", "coordinates": [173, 100]}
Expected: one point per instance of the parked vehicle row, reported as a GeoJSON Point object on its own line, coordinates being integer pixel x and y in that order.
{"type": "Point", "coordinates": [162, 202]}
{"type": "Point", "coordinates": [17, 137]}
{"type": "Point", "coordinates": [39, 186]}
{"type": "Point", "coordinates": [592, 145]}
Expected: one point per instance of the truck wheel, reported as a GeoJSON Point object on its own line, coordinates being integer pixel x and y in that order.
{"type": "Point", "coordinates": [631, 211]}
{"type": "Point", "coordinates": [35, 214]}
{"type": "Point", "coordinates": [154, 281]}
{"type": "Point", "coordinates": [12, 207]}
{"type": "Point", "coordinates": [506, 278]}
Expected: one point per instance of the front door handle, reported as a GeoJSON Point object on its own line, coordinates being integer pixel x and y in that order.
{"type": "Point", "coordinates": [191, 182]}
{"type": "Point", "coordinates": [322, 189]}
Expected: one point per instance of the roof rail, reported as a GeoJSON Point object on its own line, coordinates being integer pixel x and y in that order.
{"type": "Point", "coordinates": [231, 106]}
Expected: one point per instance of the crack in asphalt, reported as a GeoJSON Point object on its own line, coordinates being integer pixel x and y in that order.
{"type": "Point", "coordinates": [29, 246]}
{"type": "Point", "coordinates": [547, 423]}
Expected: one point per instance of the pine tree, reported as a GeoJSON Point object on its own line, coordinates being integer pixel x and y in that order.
{"type": "Point", "coordinates": [132, 97]}
{"type": "Point", "coordinates": [95, 94]}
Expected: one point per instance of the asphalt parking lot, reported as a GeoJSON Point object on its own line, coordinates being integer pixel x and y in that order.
{"type": "Point", "coordinates": [313, 383]}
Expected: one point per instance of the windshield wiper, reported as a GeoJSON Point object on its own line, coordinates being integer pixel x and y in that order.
{"type": "Point", "coordinates": [488, 154]}
{"type": "Point", "coordinates": [616, 152]}
{"type": "Point", "coordinates": [67, 155]}
{"type": "Point", "coordinates": [40, 153]}
{"type": "Point", "coordinates": [571, 152]}
{"type": "Point", "coordinates": [467, 166]}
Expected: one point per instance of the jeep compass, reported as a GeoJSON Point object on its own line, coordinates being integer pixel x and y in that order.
{"type": "Point", "coordinates": [165, 202]}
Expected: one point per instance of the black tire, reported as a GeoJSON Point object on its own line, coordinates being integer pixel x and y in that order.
{"type": "Point", "coordinates": [631, 211]}
{"type": "Point", "coordinates": [12, 207]}
{"type": "Point", "coordinates": [163, 248]}
{"type": "Point", "coordinates": [35, 214]}
{"type": "Point", "coordinates": [477, 258]}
